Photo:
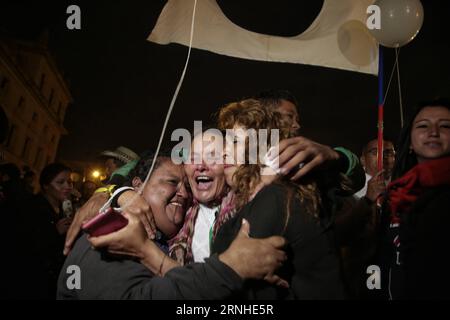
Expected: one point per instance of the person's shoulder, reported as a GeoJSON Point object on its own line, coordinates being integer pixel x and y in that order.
{"type": "Point", "coordinates": [439, 197]}
{"type": "Point", "coordinates": [36, 208]}
{"type": "Point", "coordinates": [38, 201]}
{"type": "Point", "coordinates": [273, 190]}
{"type": "Point", "coordinates": [79, 250]}
{"type": "Point", "coordinates": [272, 195]}
{"type": "Point", "coordinates": [269, 201]}
{"type": "Point", "coordinates": [104, 276]}
{"type": "Point", "coordinates": [264, 212]}
{"type": "Point", "coordinates": [72, 264]}
{"type": "Point", "coordinates": [433, 206]}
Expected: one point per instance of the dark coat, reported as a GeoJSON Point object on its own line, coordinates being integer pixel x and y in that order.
{"type": "Point", "coordinates": [312, 269]}
{"type": "Point", "coordinates": [106, 277]}
{"type": "Point", "coordinates": [420, 268]}
{"type": "Point", "coordinates": [34, 247]}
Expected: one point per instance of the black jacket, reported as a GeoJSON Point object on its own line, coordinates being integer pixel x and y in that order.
{"type": "Point", "coordinates": [418, 268]}
{"type": "Point", "coordinates": [34, 247]}
{"type": "Point", "coordinates": [106, 277]}
{"type": "Point", "coordinates": [312, 269]}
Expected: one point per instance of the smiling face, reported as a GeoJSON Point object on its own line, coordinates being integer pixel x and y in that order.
{"type": "Point", "coordinates": [430, 133]}
{"type": "Point", "coordinates": [369, 158]}
{"type": "Point", "coordinates": [167, 196]}
{"type": "Point", "coordinates": [205, 171]}
{"type": "Point", "coordinates": [290, 116]}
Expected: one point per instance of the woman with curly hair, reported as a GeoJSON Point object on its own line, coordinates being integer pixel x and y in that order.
{"type": "Point", "coordinates": [274, 205]}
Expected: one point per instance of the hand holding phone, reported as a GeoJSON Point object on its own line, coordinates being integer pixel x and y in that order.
{"type": "Point", "coordinates": [105, 222]}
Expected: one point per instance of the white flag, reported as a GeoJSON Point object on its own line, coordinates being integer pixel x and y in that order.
{"type": "Point", "coordinates": [338, 37]}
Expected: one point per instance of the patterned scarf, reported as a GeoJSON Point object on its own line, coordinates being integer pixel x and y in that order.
{"type": "Point", "coordinates": [181, 245]}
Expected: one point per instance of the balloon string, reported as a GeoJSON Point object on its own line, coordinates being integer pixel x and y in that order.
{"type": "Point", "coordinates": [399, 85]}
{"type": "Point", "coordinates": [172, 103]}
{"type": "Point", "coordinates": [392, 74]}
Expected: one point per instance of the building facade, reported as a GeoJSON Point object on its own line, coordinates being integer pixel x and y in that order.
{"type": "Point", "coordinates": [34, 96]}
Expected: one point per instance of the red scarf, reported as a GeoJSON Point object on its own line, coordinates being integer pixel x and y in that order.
{"type": "Point", "coordinates": [404, 191]}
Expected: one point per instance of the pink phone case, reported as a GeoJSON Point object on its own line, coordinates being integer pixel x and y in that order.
{"type": "Point", "coordinates": [105, 222]}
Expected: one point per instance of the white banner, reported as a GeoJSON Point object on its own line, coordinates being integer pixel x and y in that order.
{"type": "Point", "coordinates": [338, 37]}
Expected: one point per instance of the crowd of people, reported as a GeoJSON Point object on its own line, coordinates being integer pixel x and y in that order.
{"type": "Point", "coordinates": [216, 228]}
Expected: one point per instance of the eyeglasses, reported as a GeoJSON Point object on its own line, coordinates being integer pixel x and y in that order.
{"type": "Point", "coordinates": [387, 153]}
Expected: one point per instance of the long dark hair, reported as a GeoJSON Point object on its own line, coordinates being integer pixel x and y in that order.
{"type": "Point", "coordinates": [405, 158]}
{"type": "Point", "coordinates": [50, 172]}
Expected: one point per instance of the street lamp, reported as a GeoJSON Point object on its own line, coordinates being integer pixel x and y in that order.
{"type": "Point", "coordinates": [96, 174]}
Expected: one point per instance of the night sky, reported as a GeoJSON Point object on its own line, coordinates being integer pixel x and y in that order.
{"type": "Point", "coordinates": [122, 84]}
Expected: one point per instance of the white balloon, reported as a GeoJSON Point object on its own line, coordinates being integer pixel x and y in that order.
{"type": "Point", "coordinates": [401, 21]}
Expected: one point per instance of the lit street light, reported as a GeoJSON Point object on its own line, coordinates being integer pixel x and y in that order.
{"type": "Point", "coordinates": [96, 174]}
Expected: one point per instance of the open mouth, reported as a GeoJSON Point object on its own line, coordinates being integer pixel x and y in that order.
{"type": "Point", "coordinates": [176, 210]}
{"type": "Point", "coordinates": [176, 204]}
{"type": "Point", "coordinates": [204, 182]}
{"type": "Point", "coordinates": [433, 144]}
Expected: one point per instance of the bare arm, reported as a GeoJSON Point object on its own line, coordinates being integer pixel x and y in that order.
{"type": "Point", "coordinates": [87, 211]}
{"type": "Point", "coordinates": [249, 258]}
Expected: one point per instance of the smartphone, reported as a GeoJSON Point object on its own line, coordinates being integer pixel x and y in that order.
{"type": "Point", "coordinates": [105, 222]}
